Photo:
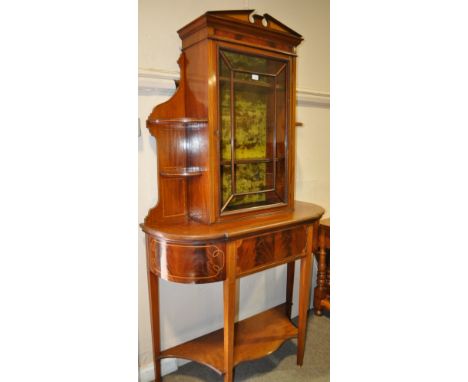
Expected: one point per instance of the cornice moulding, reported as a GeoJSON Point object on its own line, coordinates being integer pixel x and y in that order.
{"type": "Point", "coordinates": [161, 82]}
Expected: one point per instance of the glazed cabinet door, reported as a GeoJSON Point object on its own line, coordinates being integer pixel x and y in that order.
{"type": "Point", "coordinates": [253, 118]}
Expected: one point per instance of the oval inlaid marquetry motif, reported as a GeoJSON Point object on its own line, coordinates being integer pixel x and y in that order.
{"type": "Point", "coordinates": [271, 249]}
{"type": "Point", "coordinates": [187, 263]}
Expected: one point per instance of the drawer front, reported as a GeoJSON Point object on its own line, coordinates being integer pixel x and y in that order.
{"type": "Point", "coordinates": [271, 249]}
{"type": "Point", "coordinates": [186, 263]}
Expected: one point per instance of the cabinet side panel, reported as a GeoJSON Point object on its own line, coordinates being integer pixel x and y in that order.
{"type": "Point", "coordinates": [175, 106]}
{"type": "Point", "coordinates": [173, 197]}
{"type": "Point", "coordinates": [199, 188]}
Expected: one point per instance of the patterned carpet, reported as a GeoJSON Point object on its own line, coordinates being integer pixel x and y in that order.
{"type": "Point", "coordinates": [279, 366]}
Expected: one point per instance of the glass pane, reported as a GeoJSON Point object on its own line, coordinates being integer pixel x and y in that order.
{"type": "Point", "coordinates": [281, 115]}
{"type": "Point", "coordinates": [254, 120]}
{"type": "Point", "coordinates": [248, 201]}
{"type": "Point", "coordinates": [225, 109]}
{"type": "Point", "coordinates": [240, 61]}
{"type": "Point", "coordinates": [225, 184]}
{"type": "Point", "coordinates": [252, 177]}
{"type": "Point", "coordinates": [256, 87]}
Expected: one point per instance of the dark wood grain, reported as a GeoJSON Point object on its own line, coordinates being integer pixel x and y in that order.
{"type": "Point", "coordinates": [187, 263]}
{"type": "Point", "coordinates": [271, 249]}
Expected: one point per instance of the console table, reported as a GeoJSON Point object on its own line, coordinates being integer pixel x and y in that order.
{"type": "Point", "coordinates": [225, 252]}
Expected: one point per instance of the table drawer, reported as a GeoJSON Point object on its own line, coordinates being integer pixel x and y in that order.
{"type": "Point", "coordinates": [269, 250]}
{"type": "Point", "coordinates": [187, 263]}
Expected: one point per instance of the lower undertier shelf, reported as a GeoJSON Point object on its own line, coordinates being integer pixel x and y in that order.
{"type": "Point", "coordinates": [254, 338]}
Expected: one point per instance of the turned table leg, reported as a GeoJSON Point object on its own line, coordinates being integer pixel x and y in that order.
{"type": "Point", "coordinates": [229, 290]}
{"type": "Point", "coordinates": [153, 281]}
{"type": "Point", "coordinates": [304, 295]}
{"type": "Point", "coordinates": [321, 288]}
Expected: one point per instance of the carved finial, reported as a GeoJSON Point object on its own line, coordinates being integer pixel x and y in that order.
{"type": "Point", "coordinates": [257, 18]}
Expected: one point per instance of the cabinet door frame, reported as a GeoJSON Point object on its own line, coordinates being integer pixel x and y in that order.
{"type": "Point", "coordinates": [290, 104]}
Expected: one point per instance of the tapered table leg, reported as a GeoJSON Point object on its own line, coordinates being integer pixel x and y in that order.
{"type": "Point", "coordinates": [153, 282]}
{"type": "Point", "coordinates": [229, 289]}
{"type": "Point", "coordinates": [304, 295]}
{"type": "Point", "coordinates": [289, 288]}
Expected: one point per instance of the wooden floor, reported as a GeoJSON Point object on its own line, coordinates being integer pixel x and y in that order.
{"type": "Point", "coordinates": [279, 366]}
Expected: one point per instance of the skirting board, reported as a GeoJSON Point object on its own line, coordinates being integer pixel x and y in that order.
{"type": "Point", "coordinates": [168, 365]}
{"type": "Point", "coordinates": [161, 82]}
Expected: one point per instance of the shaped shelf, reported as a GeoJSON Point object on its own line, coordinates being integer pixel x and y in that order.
{"type": "Point", "coordinates": [255, 337]}
{"type": "Point", "coordinates": [192, 123]}
{"type": "Point", "coordinates": [181, 172]}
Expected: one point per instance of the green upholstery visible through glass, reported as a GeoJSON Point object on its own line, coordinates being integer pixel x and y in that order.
{"type": "Point", "coordinates": [252, 116]}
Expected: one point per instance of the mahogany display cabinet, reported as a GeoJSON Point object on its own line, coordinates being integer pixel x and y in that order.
{"type": "Point", "coordinates": [226, 208]}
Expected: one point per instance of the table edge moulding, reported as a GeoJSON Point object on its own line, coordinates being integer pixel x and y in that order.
{"type": "Point", "coordinates": [197, 233]}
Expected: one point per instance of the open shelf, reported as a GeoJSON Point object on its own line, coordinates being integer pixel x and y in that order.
{"type": "Point", "coordinates": [254, 338]}
{"type": "Point", "coordinates": [184, 122]}
{"type": "Point", "coordinates": [181, 171]}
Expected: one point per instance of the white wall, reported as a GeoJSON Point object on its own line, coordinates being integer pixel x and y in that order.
{"type": "Point", "coordinates": [187, 310]}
